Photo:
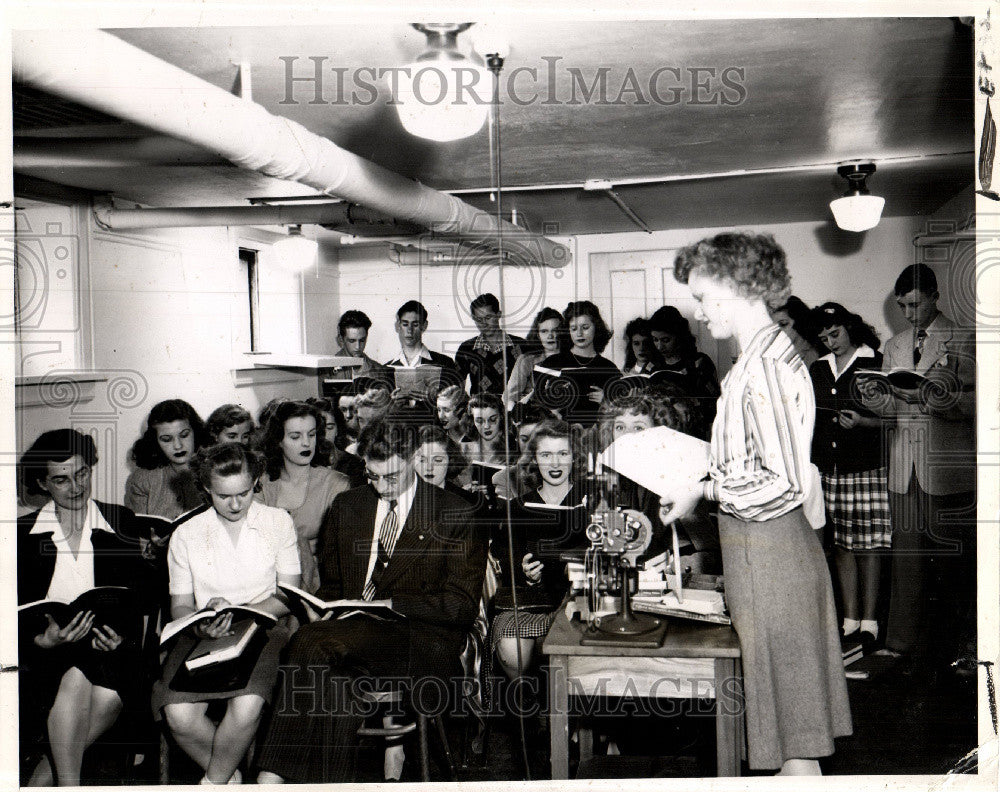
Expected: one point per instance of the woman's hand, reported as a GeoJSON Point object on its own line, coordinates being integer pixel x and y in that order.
{"type": "Point", "coordinates": [848, 419]}
{"type": "Point", "coordinates": [596, 394]}
{"type": "Point", "coordinates": [105, 639]}
{"type": "Point", "coordinates": [532, 569]}
{"type": "Point", "coordinates": [681, 502]}
{"type": "Point", "coordinates": [214, 628]}
{"type": "Point", "coordinates": [54, 635]}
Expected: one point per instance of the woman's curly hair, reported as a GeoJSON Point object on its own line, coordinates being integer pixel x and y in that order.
{"type": "Point", "coordinates": [528, 477]}
{"type": "Point", "coordinates": [753, 263]}
{"type": "Point", "coordinates": [146, 451]}
{"type": "Point", "coordinates": [268, 442]}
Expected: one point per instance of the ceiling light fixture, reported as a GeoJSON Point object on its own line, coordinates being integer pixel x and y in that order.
{"type": "Point", "coordinates": [295, 252]}
{"type": "Point", "coordinates": [443, 94]}
{"type": "Point", "coordinates": [858, 210]}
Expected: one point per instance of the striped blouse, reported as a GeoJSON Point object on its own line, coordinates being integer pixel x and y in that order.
{"type": "Point", "coordinates": [763, 431]}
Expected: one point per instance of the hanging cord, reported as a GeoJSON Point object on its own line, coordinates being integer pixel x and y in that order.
{"type": "Point", "coordinates": [495, 64]}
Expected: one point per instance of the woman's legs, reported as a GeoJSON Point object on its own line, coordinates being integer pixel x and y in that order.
{"type": "Point", "coordinates": [507, 655]}
{"type": "Point", "coordinates": [233, 737]}
{"type": "Point", "coordinates": [870, 569]}
{"type": "Point", "coordinates": [218, 750]}
{"type": "Point", "coordinates": [800, 767]}
{"type": "Point", "coordinates": [192, 729]}
{"type": "Point", "coordinates": [847, 577]}
{"type": "Point", "coordinates": [81, 713]}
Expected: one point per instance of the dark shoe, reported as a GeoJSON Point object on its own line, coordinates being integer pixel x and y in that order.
{"type": "Point", "coordinates": [869, 643]}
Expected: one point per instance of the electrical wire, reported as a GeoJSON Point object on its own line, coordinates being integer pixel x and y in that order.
{"type": "Point", "coordinates": [495, 64]}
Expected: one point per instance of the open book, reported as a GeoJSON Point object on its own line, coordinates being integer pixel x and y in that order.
{"type": "Point", "coordinates": [425, 378]}
{"type": "Point", "coordinates": [239, 612]}
{"type": "Point", "coordinates": [340, 608]}
{"type": "Point", "coordinates": [907, 379]}
{"type": "Point", "coordinates": [658, 458]}
{"type": "Point", "coordinates": [114, 606]}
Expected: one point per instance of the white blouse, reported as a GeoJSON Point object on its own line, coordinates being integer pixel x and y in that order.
{"type": "Point", "coordinates": [72, 575]}
{"type": "Point", "coordinates": [202, 560]}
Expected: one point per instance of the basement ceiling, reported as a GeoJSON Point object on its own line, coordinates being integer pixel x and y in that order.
{"type": "Point", "coordinates": [671, 99]}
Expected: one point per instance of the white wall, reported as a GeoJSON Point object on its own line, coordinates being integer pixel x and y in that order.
{"type": "Point", "coordinates": [169, 319]}
{"type": "Point", "coordinates": [857, 270]}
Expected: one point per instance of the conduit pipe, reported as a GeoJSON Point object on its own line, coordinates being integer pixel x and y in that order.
{"type": "Point", "coordinates": [334, 214]}
{"type": "Point", "coordinates": [98, 70]}
{"type": "Point", "coordinates": [155, 150]}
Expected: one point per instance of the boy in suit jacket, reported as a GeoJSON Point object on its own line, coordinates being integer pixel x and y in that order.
{"type": "Point", "coordinates": [932, 463]}
{"type": "Point", "coordinates": [398, 539]}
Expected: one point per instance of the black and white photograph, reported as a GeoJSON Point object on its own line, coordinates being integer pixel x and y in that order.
{"type": "Point", "coordinates": [454, 393]}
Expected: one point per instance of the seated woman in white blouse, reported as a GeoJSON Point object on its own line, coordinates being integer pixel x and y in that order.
{"type": "Point", "coordinates": [233, 552]}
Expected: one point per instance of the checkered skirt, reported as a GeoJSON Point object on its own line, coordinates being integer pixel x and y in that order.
{"type": "Point", "coordinates": [857, 505]}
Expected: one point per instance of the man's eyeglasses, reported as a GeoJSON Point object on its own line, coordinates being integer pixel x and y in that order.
{"type": "Point", "coordinates": [388, 478]}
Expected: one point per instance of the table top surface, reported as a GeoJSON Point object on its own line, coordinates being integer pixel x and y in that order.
{"type": "Point", "coordinates": [684, 638]}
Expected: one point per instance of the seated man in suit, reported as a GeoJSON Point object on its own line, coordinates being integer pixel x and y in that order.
{"type": "Point", "coordinates": [398, 539]}
{"type": "Point", "coordinates": [932, 469]}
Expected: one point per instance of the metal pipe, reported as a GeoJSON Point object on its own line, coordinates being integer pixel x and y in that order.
{"type": "Point", "coordinates": [98, 70]}
{"type": "Point", "coordinates": [119, 219]}
{"type": "Point", "coordinates": [155, 150]}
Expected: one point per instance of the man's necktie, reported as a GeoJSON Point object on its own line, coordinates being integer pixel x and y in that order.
{"type": "Point", "coordinates": [386, 542]}
{"type": "Point", "coordinates": [918, 346]}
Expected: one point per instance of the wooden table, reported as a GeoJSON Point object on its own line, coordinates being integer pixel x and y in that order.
{"type": "Point", "coordinates": [684, 639]}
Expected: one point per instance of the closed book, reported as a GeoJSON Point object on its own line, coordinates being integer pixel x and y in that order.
{"type": "Point", "coordinates": [227, 647]}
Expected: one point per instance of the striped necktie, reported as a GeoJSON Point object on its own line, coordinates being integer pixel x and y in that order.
{"type": "Point", "coordinates": [386, 542]}
{"type": "Point", "coordinates": [918, 346]}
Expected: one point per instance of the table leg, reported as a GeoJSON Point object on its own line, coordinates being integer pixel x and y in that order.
{"type": "Point", "coordinates": [728, 715]}
{"type": "Point", "coordinates": [559, 716]}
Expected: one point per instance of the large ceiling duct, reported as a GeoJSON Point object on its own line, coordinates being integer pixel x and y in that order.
{"type": "Point", "coordinates": [98, 70]}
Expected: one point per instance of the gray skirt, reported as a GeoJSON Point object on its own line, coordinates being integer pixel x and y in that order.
{"type": "Point", "coordinates": [781, 601]}
{"type": "Point", "coordinates": [261, 682]}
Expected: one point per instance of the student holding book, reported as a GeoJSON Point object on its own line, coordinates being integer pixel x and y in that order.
{"type": "Point", "coordinates": [232, 552]}
{"type": "Point", "coordinates": [847, 448]}
{"type": "Point", "coordinates": [162, 483]}
{"type": "Point", "coordinates": [76, 672]}
{"type": "Point", "coordinates": [546, 338]}
{"type": "Point", "coordinates": [576, 393]}
{"type": "Point", "coordinates": [549, 519]}
{"type": "Point", "coordinates": [777, 582]}
{"type": "Point", "coordinates": [296, 480]}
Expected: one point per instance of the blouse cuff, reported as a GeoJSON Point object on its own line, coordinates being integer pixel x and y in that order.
{"type": "Point", "coordinates": [710, 490]}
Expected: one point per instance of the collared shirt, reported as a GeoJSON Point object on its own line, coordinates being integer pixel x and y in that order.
{"type": "Point", "coordinates": [72, 575]}
{"type": "Point", "coordinates": [423, 357]}
{"type": "Point", "coordinates": [403, 505]}
{"type": "Point", "coordinates": [863, 351]}
{"type": "Point", "coordinates": [762, 434]}
{"type": "Point", "coordinates": [203, 561]}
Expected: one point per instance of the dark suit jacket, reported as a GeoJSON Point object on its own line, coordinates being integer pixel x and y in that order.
{"type": "Point", "coordinates": [117, 557]}
{"type": "Point", "coordinates": [434, 577]}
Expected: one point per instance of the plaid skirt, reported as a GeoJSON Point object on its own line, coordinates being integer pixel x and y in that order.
{"type": "Point", "coordinates": [857, 505]}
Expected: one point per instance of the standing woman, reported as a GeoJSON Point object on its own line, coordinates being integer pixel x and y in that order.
{"type": "Point", "coordinates": [641, 355]}
{"type": "Point", "coordinates": [546, 337]}
{"type": "Point", "coordinates": [76, 677]}
{"type": "Point", "coordinates": [233, 552]}
{"type": "Point", "coordinates": [777, 582]}
{"type": "Point", "coordinates": [296, 479]}
{"type": "Point", "coordinates": [162, 483]}
{"type": "Point", "coordinates": [588, 335]}
{"type": "Point", "coordinates": [847, 448]}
